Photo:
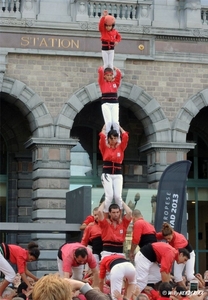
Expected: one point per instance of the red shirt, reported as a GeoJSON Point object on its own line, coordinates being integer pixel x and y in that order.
{"type": "Point", "coordinates": [110, 154]}
{"type": "Point", "coordinates": [105, 264]}
{"type": "Point", "coordinates": [165, 255]}
{"type": "Point", "coordinates": [178, 241]}
{"type": "Point", "coordinates": [88, 220]}
{"type": "Point", "coordinates": [114, 234]}
{"type": "Point", "coordinates": [141, 227]}
{"type": "Point", "coordinates": [109, 36]}
{"type": "Point", "coordinates": [109, 86]}
{"type": "Point", "coordinates": [91, 232]}
{"type": "Point", "coordinates": [152, 294]}
{"type": "Point", "coordinates": [68, 257]}
{"type": "Point", "coordinates": [18, 256]}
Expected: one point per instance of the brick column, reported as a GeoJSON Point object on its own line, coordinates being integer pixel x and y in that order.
{"type": "Point", "coordinates": [50, 176]}
{"type": "Point", "coordinates": [161, 155]}
{"type": "Point", "coordinates": [19, 194]}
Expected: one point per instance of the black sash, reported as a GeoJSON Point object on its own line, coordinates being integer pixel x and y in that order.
{"type": "Point", "coordinates": [117, 261]}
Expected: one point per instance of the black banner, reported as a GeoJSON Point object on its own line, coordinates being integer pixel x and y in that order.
{"type": "Point", "coordinates": [172, 195]}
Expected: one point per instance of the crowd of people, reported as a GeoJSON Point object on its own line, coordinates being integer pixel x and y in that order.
{"type": "Point", "coordinates": [97, 267]}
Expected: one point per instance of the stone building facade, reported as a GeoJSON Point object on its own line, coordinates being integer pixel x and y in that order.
{"type": "Point", "coordinates": [49, 58]}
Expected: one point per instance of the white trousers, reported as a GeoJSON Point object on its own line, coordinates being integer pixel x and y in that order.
{"type": "Point", "coordinates": [110, 113]}
{"type": "Point", "coordinates": [119, 272]}
{"type": "Point", "coordinates": [97, 258]}
{"type": "Point", "coordinates": [112, 185]}
{"type": "Point", "coordinates": [107, 253]}
{"type": "Point", "coordinates": [7, 269]}
{"type": "Point", "coordinates": [77, 272]}
{"type": "Point", "coordinates": [108, 57]}
{"type": "Point", "coordinates": [178, 269]}
{"type": "Point", "coordinates": [146, 271]}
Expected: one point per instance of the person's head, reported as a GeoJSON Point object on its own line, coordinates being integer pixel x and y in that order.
{"type": "Point", "coordinates": [142, 296]}
{"type": "Point", "coordinates": [22, 288]}
{"type": "Point", "coordinates": [81, 255]}
{"type": "Point", "coordinates": [96, 295]}
{"type": "Point", "coordinates": [109, 22]}
{"type": "Point", "coordinates": [108, 74]}
{"type": "Point", "coordinates": [17, 280]}
{"type": "Point", "coordinates": [33, 251]}
{"type": "Point", "coordinates": [136, 214]}
{"type": "Point", "coordinates": [167, 232]}
{"type": "Point", "coordinates": [165, 289]}
{"type": "Point", "coordinates": [95, 214]}
{"type": "Point", "coordinates": [8, 293]}
{"type": "Point", "coordinates": [114, 212]}
{"type": "Point", "coordinates": [180, 291]}
{"type": "Point", "coordinates": [183, 256]}
{"type": "Point", "coordinates": [112, 137]}
{"type": "Point", "coordinates": [21, 296]}
{"type": "Point", "coordinates": [52, 287]}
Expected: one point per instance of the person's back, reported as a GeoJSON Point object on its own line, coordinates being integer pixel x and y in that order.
{"type": "Point", "coordinates": [92, 236]}
{"type": "Point", "coordinates": [89, 219]}
{"type": "Point", "coordinates": [143, 232]}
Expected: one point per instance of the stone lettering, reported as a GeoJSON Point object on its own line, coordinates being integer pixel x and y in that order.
{"type": "Point", "coordinates": [49, 42]}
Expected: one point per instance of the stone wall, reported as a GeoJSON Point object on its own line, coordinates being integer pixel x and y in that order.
{"type": "Point", "coordinates": [56, 78]}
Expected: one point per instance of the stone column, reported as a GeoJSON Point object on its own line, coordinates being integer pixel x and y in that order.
{"type": "Point", "coordinates": [161, 155]}
{"type": "Point", "coordinates": [82, 13]}
{"type": "Point", "coordinates": [145, 18]}
{"type": "Point", "coordinates": [29, 9]}
{"type": "Point", "coordinates": [19, 194]}
{"type": "Point", "coordinates": [50, 176]}
{"type": "Point", "coordinates": [192, 14]}
{"type": "Point", "coordinates": [3, 63]}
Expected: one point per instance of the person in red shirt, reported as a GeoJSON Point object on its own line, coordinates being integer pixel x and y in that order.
{"type": "Point", "coordinates": [109, 100]}
{"type": "Point", "coordinates": [119, 268]}
{"type": "Point", "coordinates": [92, 236]}
{"type": "Point", "coordinates": [109, 38]}
{"type": "Point", "coordinates": [113, 228]}
{"type": "Point", "coordinates": [113, 155]}
{"type": "Point", "coordinates": [178, 240]}
{"type": "Point", "coordinates": [143, 232]}
{"type": "Point", "coordinates": [17, 256]}
{"type": "Point", "coordinates": [148, 258]}
{"type": "Point", "coordinates": [72, 257]}
{"type": "Point", "coordinates": [89, 220]}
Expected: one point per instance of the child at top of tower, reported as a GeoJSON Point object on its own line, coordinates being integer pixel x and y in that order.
{"type": "Point", "coordinates": [109, 38]}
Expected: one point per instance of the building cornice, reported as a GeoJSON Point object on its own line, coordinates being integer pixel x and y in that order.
{"type": "Point", "coordinates": [80, 28]}
{"type": "Point", "coordinates": [181, 38]}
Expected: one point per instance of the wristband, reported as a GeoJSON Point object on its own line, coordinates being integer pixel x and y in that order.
{"type": "Point", "coordinates": [86, 288]}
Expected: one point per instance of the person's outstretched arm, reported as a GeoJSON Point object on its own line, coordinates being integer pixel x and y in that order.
{"type": "Point", "coordinates": [100, 212]}
{"type": "Point", "coordinates": [127, 210]}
